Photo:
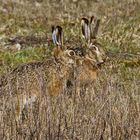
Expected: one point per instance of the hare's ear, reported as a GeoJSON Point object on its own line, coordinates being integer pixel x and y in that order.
{"type": "Point", "coordinates": [86, 28]}
{"type": "Point", "coordinates": [57, 35]}
{"type": "Point", "coordinates": [94, 26]}
{"type": "Point", "coordinates": [54, 38]}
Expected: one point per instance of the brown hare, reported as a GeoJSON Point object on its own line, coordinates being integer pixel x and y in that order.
{"type": "Point", "coordinates": [92, 54]}
{"type": "Point", "coordinates": [29, 81]}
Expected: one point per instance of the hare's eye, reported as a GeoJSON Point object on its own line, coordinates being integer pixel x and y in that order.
{"type": "Point", "coordinates": [72, 53]}
{"type": "Point", "coordinates": [94, 48]}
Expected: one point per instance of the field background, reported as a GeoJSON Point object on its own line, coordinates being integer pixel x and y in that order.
{"type": "Point", "coordinates": [110, 109]}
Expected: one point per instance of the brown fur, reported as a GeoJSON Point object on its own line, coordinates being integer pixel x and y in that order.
{"type": "Point", "coordinates": [87, 72]}
{"type": "Point", "coordinates": [32, 80]}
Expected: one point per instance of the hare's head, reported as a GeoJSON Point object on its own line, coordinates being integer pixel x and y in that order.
{"type": "Point", "coordinates": [60, 52]}
{"type": "Point", "coordinates": [94, 51]}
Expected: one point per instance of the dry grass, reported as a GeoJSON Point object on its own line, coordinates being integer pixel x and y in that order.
{"type": "Point", "coordinates": [110, 108]}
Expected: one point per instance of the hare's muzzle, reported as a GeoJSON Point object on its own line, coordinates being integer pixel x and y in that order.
{"type": "Point", "coordinates": [99, 64]}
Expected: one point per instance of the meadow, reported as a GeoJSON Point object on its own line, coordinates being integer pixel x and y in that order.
{"type": "Point", "coordinates": [110, 109]}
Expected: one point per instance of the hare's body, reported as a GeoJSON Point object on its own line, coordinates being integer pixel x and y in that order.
{"type": "Point", "coordinates": [87, 73]}
{"type": "Point", "coordinates": [30, 81]}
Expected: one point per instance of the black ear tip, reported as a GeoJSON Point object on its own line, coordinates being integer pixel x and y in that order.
{"type": "Point", "coordinates": [59, 28]}
{"type": "Point", "coordinates": [85, 20]}
{"type": "Point", "coordinates": [53, 28]}
{"type": "Point", "coordinates": [91, 19]}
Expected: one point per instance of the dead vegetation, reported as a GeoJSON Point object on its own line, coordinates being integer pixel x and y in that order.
{"type": "Point", "coordinates": [108, 109]}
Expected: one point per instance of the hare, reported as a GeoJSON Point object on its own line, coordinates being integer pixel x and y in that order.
{"type": "Point", "coordinates": [92, 55]}
{"type": "Point", "coordinates": [29, 81]}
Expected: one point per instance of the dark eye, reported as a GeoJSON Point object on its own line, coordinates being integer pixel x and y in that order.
{"type": "Point", "coordinates": [71, 53]}
{"type": "Point", "coordinates": [94, 47]}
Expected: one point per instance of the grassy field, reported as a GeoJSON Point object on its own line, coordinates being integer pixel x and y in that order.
{"type": "Point", "coordinates": [111, 107]}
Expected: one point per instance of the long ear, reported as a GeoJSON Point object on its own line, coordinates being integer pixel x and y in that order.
{"type": "Point", "coordinates": [57, 36]}
{"type": "Point", "coordinates": [94, 26]}
{"type": "Point", "coordinates": [86, 28]}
